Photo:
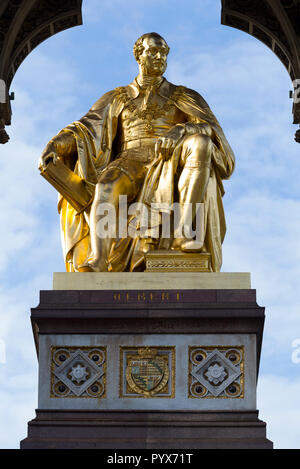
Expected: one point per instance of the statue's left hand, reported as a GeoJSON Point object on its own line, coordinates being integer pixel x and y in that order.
{"type": "Point", "coordinates": [49, 154]}
{"type": "Point", "coordinates": [165, 145]}
{"type": "Point", "coordinates": [60, 147]}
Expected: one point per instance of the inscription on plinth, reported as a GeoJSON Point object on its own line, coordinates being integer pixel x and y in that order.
{"type": "Point", "coordinates": [147, 296]}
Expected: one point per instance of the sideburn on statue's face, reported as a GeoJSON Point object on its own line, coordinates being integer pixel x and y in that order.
{"type": "Point", "coordinates": [153, 60]}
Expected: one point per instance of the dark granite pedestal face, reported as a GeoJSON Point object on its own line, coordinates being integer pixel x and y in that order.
{"type": "Point", "coordinates": [147, 369]}
{"type": "Point", "coordinates": [146, 430]}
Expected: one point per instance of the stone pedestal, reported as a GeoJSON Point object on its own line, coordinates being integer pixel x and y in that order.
{"type": "Point", "coordinates": [158, 360]}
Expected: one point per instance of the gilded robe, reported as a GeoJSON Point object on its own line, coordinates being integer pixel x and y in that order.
{"type": "Point", "coordinates": [96, 135]}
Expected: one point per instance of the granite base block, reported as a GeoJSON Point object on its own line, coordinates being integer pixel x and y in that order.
{"type": "Point", "coordinates": [147, 368]}
{"type": "Point", "coordinates": [146, 430]}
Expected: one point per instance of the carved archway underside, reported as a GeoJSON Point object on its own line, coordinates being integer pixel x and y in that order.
{"type": "Point", "coordinates": [24, 24]}
{"type": "Point", "coordinates": [274, 22]}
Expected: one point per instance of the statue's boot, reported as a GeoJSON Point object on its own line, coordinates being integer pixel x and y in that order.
{"type": "Point", "coordinates": [192, 246]}
{"type": "Point", "coordinates": [93, 265]}
{"type": "Point", "coordinates": [85, 268]}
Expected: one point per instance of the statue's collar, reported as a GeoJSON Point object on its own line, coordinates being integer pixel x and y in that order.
{"type": "Point", "coordinates": [134, 89]}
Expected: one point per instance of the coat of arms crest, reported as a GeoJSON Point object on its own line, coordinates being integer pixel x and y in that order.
{"type": "Point", "coordinates": [147, 372]}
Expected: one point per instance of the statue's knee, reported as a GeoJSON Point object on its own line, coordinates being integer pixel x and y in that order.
{"type": "Point", "coordinates": [199, 148]}
{"type": "Point", "coordinates": [110, 175]}
{"type": "Point", "coordinates": [201, 142]}
{"type": "Point", "coordinates": [111, 184]}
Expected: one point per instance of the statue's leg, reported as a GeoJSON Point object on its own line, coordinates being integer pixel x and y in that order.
{"type": "Point", "coordinates": [112, 183]}
{"type": "Point", "coordinates": [192, 185]}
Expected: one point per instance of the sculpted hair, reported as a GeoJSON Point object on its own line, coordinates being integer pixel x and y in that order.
{"type": "Point", "coordinates": [138, 46]}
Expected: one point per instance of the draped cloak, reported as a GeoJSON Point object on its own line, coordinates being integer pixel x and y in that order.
{"type": "Point", "coordinates": [96, 136]}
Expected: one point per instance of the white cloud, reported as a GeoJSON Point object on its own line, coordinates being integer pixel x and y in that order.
{"type": "Point", "coordinates": [262, 239]}
{"type": "Point", "coordinates": [278, 401]}
{"type": "Point", "coordinates": [18, 408]}
{"type": "Point", "coordinates": [131, 12]}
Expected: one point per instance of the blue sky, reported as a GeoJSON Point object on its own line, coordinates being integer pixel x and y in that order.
{"type": "Point", "coordinates": [247, 88]}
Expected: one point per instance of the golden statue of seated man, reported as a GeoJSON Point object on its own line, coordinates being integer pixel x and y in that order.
{"type": "Point", "coordinates": [155, 143]}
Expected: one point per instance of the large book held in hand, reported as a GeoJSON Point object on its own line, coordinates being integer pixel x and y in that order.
{"type": "Point", "coordinates": [68, 184]}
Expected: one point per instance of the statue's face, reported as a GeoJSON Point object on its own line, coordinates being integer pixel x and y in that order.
{"type": "Point", "coordinates": [153, 60]}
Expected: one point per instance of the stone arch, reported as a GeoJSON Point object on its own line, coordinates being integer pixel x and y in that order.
{"type": "Point", "coordinates": [277, 24]}
{"type": "Point", "coordinates": [24, 24]}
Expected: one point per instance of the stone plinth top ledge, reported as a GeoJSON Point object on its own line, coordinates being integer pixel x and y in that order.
{"type": "Point", "coordinates": [151, 280]}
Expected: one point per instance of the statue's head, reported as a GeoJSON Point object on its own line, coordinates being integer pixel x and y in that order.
{"type": "Point", "coordinates": [151, 51]}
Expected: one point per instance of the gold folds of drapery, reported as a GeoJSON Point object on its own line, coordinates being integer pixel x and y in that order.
{"type": "Point", "coordinates": [97, 138]}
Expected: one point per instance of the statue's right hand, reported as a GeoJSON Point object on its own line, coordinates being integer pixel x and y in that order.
{"type": "Point", "coordinates": [49, 154]}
